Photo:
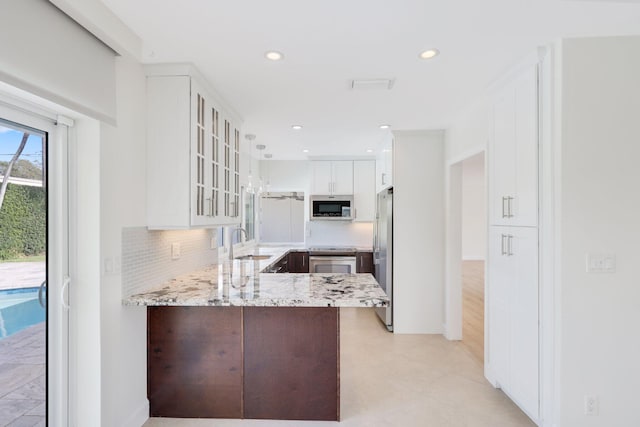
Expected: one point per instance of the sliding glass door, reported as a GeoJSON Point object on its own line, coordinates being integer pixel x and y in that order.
{"type": "Point", "coordinates": [33, 269]}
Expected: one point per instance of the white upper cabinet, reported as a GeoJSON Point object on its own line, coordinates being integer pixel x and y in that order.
{"type": "Point", "coordinates": [332, 177]}
{"type": "Point", "coordinates": [384, 165]}
{"type": "Point", "coordinates": [513, 153]}
{"type": "Point", "coordinates": [364, 190]}
{"type": "Point", "coordinates": [193, 157]}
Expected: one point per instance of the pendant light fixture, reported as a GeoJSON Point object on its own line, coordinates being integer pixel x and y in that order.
{"type": "Point", "coordinates": [260, 187]}
{"type": "Point", "coordinates": [267, 186]}
{"type": "Point", "coordinates": [250, 187]}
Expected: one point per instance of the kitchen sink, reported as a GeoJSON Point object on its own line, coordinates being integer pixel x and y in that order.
{"type": "Point", "coordinates": [253, 257]}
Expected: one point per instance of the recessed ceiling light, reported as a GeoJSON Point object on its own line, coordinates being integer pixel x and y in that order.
{"type": "Point", "coordinates": [274, 55]}
{"type": "Point", "coordinates": [385, 126]}
{"type": "Point", "coordinates": [305, 151]}
{"type": "Point", "coordinates": [296, 127]}
{"type": "Point", "coordinates": [369, 150]}
{"type": "Point", "coordinates": [429, 53]}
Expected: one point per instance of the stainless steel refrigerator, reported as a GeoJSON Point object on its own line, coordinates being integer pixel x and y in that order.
{"type": "Point", "coordinates": [383, 251]}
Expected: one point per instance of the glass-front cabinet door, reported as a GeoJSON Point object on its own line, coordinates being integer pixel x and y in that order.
{"type": "Point", "coordinates": [193, 153]}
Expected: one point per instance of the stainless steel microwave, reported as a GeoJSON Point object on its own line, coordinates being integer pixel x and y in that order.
{"type": "Point", "coordinates": [331, 208]}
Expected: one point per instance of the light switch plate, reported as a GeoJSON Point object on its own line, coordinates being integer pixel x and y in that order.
{"type": "Point", "coordinates": [175, 251]}
{"type": "Point", "coordinates": [601, 263]}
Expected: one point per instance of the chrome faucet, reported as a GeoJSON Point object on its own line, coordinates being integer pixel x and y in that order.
{"type": "Point", "coordinates": [231, 240]}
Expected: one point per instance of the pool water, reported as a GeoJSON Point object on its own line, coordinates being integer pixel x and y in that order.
{"type": "Point", "coordinates": [19, 309]}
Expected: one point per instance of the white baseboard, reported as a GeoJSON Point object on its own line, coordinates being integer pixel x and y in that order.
{"type": "Point", "coordinates": [449, 336]}
{"type": "Point", "coordinates": [472, 258]}
{"type": "Point", "coordinates": [139, 416]}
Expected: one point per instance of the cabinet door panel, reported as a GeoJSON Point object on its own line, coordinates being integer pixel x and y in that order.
{"type": "Point", "coordinates": [524, 332]}
{"type": "Point", "coordinates": [499, 279]}
{"type": "Point", "coordinates": [200, 180]}
{"type": "Point", "coordinates": [502, 157]}
{"type": "Point", "coordinates": [513, 314]}
{"type": "Point", "coordinates": [168, 148]}
{"type": "Point", "coordinates": [291, 365]}
{"type": "Point", "coordinates": [364, 262]}
{"type": "Point", "coordinates": [194, 352]}
{"type": "Point", "coordinates": [525, 207]}
{"type": "Point", "coordinates": [364, 194]}
{"type": "Point", "coordinates": [513, 153]}
{"type": "Point", "coordinates": [342, 177]}
{"type": "Point", "coordinates": [321, 178]}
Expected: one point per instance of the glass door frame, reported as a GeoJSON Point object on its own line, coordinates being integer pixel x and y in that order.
{"type": "Point", "coordinates": [57, 257]}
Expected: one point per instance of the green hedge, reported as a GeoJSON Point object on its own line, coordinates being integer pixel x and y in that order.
{"type": "Point", "coordinates": [23, 222]}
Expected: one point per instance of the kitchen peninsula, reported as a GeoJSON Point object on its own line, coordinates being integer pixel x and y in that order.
{"type": "Point", "coordinates": [230, 341]}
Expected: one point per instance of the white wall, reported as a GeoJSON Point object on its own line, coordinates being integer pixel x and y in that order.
{"type": "Point", "coordinates": [598, 212]}
{"type": "Point", "coordinates": [470, 132]}
{"type": "Point", "coordinates": [286, 175]}
{"type": "Point", "coordinates": [84, 290]}
{"type": "Point", "coordinates": [338, 233]}
{"type": "Point", "coordinates": [123, 204]}
{"type": "Point", "coordinates": [418, 221]}
{"type": "Point", "coordinates": [474, 225]}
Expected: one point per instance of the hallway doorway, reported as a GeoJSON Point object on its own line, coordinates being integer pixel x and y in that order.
{"type": "Point", "coordinates": [474, 244]}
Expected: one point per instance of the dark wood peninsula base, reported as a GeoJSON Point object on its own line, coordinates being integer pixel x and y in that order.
{"type": "Point", "coordinates": [244, 362]}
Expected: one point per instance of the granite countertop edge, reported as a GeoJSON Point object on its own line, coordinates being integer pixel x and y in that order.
{"type": "Point", "coordinates": [241, 283]}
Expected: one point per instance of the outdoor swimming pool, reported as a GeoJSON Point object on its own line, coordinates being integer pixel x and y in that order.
{"type": "Point", "coordinates": [19, 308]}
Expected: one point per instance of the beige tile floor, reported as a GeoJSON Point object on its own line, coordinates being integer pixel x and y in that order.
{"type": "Point", "coordinates": [400, 380]}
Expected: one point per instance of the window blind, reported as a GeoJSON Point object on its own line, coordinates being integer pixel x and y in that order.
{"type": "Point", "coordinates": [45, 52]}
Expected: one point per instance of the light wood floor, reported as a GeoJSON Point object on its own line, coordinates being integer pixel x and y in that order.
{"type": "Point", "coordinates": [473, 307]}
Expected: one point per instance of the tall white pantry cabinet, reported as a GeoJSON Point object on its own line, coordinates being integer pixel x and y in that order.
{"type": "Point", "coordinates": [193, 153]}
{"type": "Point", "coordinates": [513, 356]}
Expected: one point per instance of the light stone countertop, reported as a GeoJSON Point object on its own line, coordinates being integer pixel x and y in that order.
{"type": "Point", "coordinates": [241, 283]}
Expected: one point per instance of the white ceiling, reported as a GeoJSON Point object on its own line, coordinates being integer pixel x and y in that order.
{"type": "Point", "coordinates": [328, 42]}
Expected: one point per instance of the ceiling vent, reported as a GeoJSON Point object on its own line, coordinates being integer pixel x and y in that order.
{"type": "Point", "coordinates": [371, 84]}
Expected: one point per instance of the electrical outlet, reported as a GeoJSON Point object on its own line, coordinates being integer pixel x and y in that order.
{"type": "Point", "coordinates": [175, 251]}
{"type": "Point", "coordinates": [601, 263]}
{"type": "Point", "coordinates": [591, 405]}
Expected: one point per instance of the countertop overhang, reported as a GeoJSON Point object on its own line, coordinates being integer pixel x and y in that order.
{"type": "Point", "coordinates": [242, 283]}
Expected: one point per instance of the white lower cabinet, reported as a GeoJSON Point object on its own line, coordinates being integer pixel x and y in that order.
{"type": "Point", "coordinates": [512, 308]}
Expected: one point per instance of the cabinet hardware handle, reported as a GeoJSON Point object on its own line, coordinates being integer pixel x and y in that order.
{"type": "Point", "coordinates": [504, 214]}
{"type": "Point", "coordinates": [303, 257]}
{"type": "Point", "coordinates": [510, 245]}
{"type": "Point", "coordinates": [502, 245]}
{"type": "Point", "coordinates": [509, 212]}
{"type": "Point", "coordinates": [63, 290]}
{"type": "Point", "coordinates": [40, 289]}
{"type": "Point", "coordinates": [361, 257]}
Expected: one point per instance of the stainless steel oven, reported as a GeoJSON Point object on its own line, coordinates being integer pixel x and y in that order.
{"type": "Point", "coordinates": [332, 264]}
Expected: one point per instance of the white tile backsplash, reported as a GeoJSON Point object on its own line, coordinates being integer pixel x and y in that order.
{"type": "Point", "coordinates": [339, 233]}
{"type": "Point", "coordinates": [146, 256]}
